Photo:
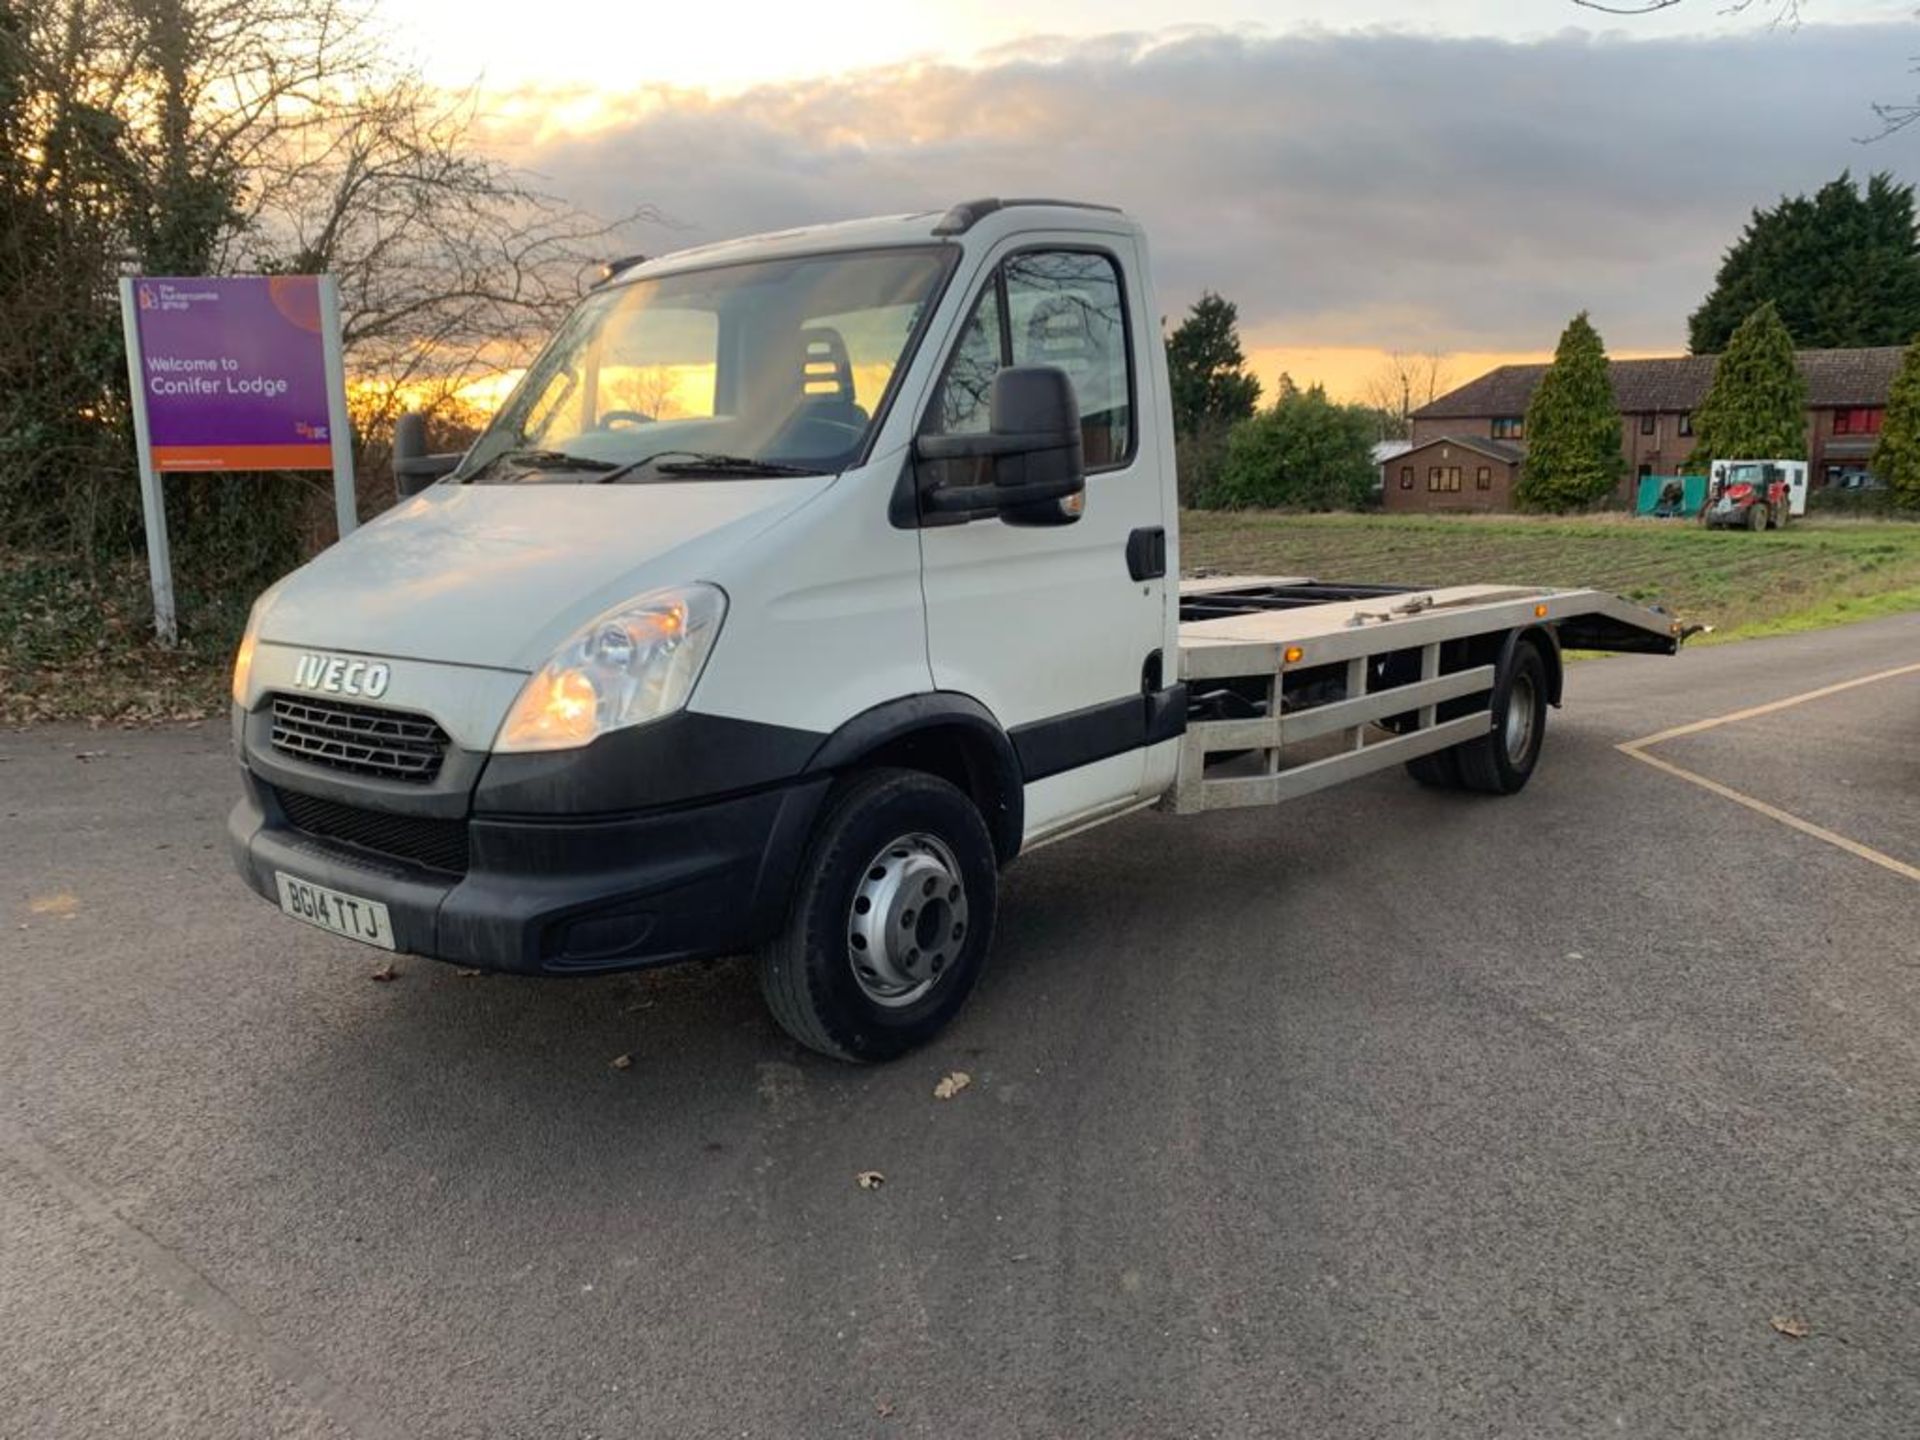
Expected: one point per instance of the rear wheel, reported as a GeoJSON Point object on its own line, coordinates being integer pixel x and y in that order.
{"type": "Point", "coordinates": [1502, 761]}
{"type": "Point", "coordinates": [891, 919]}
{"type": "Point", "coordinates": [1437, 771]}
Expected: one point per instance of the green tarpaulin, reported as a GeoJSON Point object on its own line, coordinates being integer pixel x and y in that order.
{"type": "Point", "coordinates": [1690, 489]}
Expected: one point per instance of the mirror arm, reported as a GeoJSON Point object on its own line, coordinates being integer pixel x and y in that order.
{"type": "Point", "coordinates": [989, 444]}
{"type": "Point", "coordinates": [963, 499]}
{"type": "Point", "coordinates": [428, 467]}
{"type": "Point", "coordinates": [987, 499]}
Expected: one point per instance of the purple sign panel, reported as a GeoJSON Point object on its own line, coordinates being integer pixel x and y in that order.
{"type": "Point", "coordinates": [234, 372]}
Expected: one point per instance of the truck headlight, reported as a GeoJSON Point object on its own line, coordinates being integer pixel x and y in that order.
{"type": "Point", "coordinates": [243, 657]}
{"type": "Point", "coordinates": [633, 664]}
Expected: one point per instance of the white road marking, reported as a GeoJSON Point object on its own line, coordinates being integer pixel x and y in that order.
{"type": "Point", "coordinates": [1638, 750]}
{"type": "Point", "coordinates": [288, 1364]}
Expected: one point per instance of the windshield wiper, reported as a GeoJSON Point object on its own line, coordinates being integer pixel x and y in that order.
{"type": "Point", "coordinates": [541, 460]}
{"type": "Point", "coordinates": [694, 462]}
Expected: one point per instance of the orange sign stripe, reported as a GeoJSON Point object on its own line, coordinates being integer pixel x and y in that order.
{"type": "Point", "coordinates": [176, 458]}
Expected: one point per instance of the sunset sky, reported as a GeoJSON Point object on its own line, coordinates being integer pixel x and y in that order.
{"type": "Point", "coordinates": [1455, 175]}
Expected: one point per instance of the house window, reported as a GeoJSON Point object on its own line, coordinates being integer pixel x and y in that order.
{"type": "Point", "coordinates": [1649, 423]}
{"type": "Point", "coordinates": [1406, 477]}
{"type": "Point", "coordinates": [1645, 471]}
{"type": "Point", "coordinates": [1509, 427]}
{"type": "Point", "coordinates": [1444, 481]}
{"type": "Point", "coordinates": [1483, 479]}
{"type": "Point", "coordinates": [1433, 478]}
{"type": "Point", "coordinates": [1685, 424]}
{"type": "Point", "coordinates": [1857, 422]}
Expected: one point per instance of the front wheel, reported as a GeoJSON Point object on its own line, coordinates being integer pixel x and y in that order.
{"type": "Point", "coordinates": [1756, 517]}
{"type": "Point", "coordinates": [891, 919]}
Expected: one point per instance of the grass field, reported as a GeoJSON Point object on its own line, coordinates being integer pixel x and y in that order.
{"type": "Point", "coordinates": [1814, 573]}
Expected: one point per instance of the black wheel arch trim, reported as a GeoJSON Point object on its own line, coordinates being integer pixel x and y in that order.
{"type": "Point", "coordinates": [1547, 641]}
{"type": "Point", "coordinates": [887, 731]}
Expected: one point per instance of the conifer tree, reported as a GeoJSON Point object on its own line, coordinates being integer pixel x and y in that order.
{"type": "Point", "coordinates": [1756, 408]}
{"type": "Point", "coordinates": [1896, 459]}
{"type": "Point", "coordinates": [1842, 264]}
{"type": "Point", "coordinates": [1573, 429]}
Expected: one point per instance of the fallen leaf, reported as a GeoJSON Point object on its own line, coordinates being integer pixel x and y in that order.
{"type": "Point", "coordinates": [385, 973]}
{"type": "Point", "coordinates": [869, 1179]}
{"type": "Point", "coordinates": [622, 1062]}
{"type": "Point", "coordinates": [1792, 1327]}
{"type": "Point", "coordinates": [468, 974]}
{"type": "Point", "coordinates": [84, 755]}
{"type": "Point", "coordinates": [61, 904]}
{"type": "Point", "coordinates": [952, 1085]}
{"type": "Point", "coordinates": [884, 1409]}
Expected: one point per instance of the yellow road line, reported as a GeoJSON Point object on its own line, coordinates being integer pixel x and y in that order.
{"type": "Point", "coordinates": [1638, 748]}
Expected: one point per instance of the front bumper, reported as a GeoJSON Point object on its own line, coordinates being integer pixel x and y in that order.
{"type": "Point", "coordinates": [564, 896]}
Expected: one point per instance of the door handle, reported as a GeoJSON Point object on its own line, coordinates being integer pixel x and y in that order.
{"type": "Point", "coordinates": [1147, 553]}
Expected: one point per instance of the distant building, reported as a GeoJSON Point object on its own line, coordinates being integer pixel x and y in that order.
{"type": "Point", "coordinates": [1468, 445]}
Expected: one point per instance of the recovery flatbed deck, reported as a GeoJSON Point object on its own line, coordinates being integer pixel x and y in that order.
{"type": "Point", "coordinates": [1322, 683]}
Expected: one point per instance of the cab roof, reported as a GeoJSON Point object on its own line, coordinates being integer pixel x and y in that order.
{"type": "Point", "coordinates": [985, 219]}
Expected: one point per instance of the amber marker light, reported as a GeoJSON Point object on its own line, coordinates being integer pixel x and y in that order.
{"type": "Point", "coordinates": [1295, 655]}
{"type": "Point", "coordinates": [1540, 612]}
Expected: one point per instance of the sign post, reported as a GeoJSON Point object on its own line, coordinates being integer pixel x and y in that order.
{"type": "Point", "coordinates": [233, 373]}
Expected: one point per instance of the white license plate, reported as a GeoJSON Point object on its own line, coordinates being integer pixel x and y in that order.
{"type": "Point", "coordinates": [335, 910]}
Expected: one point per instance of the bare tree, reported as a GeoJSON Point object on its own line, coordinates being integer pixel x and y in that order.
{"type": "Point", "coordinates": [451, 265]}
{"type": "Point", "coordinates": [1404, 382]}
{"type": "Point", "coordinates": [1785, 12]}
{"type": "Point", "coordinates": [207, 136]}
{"type": "Point", "coordinates": [1894, 116]}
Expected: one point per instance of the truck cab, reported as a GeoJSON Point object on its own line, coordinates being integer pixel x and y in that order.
{"type": "Point", "coordinates": [891, 498]}
{"type": "Point", "coordinates": [801, 584]}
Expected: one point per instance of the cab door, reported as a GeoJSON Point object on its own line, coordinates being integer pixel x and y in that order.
{"type": "Point", "coordinates": [1059, 629]}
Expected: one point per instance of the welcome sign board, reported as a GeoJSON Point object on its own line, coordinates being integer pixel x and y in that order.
{"type": "Point", "coordinates": [235, 372]}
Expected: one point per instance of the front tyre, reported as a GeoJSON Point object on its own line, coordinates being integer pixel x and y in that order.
{"type": "Point", "coordinates": [891, 919]}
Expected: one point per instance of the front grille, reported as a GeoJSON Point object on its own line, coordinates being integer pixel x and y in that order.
{"type": "Point", "coordinates": [360, 739]}
{"type": "Point", "coordinates": [430, 841]}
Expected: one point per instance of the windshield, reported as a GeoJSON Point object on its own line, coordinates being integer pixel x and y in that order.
{"type": "Point", "coordinates": [781, 366]}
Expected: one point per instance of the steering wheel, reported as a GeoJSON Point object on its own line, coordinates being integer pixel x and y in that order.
{"type": "Point", "coordinates": [611, 418]}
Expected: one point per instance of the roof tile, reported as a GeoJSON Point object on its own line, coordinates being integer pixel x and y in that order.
{"type": "Point", "coordinates": [1679, 383]}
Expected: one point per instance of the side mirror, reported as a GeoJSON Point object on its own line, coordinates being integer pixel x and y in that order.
{"type": "Point", "coordinates": [413, 468]}
{"type": "Point", "coordinates": [1032, 449]}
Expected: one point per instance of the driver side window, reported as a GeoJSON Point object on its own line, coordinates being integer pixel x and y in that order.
{"type": "Point", "coordinates": [960, 407]}
{"type": "Point", "coordinates": [1050, 307]}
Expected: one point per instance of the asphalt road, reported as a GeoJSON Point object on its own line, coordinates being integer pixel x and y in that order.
{"type": "Point", "coordinates": [1385, 1114]}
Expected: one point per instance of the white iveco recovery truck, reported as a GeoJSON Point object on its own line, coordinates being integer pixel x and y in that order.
{"type": "Point", "coordinates": [802, 583]}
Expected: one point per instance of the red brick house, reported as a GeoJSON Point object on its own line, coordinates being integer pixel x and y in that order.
{"type": "Point", "coordinates": [1846, 399]}
{"type": "Point", "coordinates": [1452, 472]}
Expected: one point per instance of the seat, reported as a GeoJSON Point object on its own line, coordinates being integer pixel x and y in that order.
{"type": "Point", "coordinates": [827, 423]}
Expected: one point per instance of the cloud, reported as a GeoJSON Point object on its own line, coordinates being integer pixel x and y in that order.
{"type": "Point", "coordinates": [1375, 189]}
